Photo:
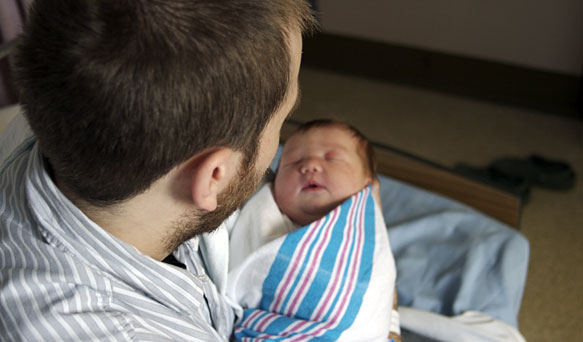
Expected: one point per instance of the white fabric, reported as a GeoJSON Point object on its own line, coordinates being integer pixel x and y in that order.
{"type": "Point", "coordinates": [471, 326]}
{"type": "Point", "coordinates": [258, 235]}
{"type": "Point", "coordinates": [250, 233]}
{"type": "Point", "coordinates": [214, 248]}
{"type": "Point", "coordinates": [395, 322]}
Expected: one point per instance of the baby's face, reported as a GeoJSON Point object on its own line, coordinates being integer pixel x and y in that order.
{"type": "Point", "coordinates": [318, 170]}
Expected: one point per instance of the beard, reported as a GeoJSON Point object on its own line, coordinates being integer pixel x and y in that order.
{"type": "Point", "coordinates": [200, 221]}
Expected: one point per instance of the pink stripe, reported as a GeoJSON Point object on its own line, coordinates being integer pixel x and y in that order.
{"type": "Point", "coordinates": [295, 328]}
{"type": "Point", "coordinates": [266, 336]}
{"type": "Point", "coordinates": [318, 329]}
{"type": "Point", "coordinates": [248, 323]}
{"type": "Point", "coordinates": [282, 291]}
{"type": "Point", "coordinates": [355, 263]}
{"type": "Point", "coordinates": [260, 337]}
{"type": "Point", "coordinates": [339, 265]}
{"type": "Point", "coordinates": [265, 321]}
{"type": "Point", "coordinates": [319, 250]}
{"type": "Point", "coordinates": [322, 328]}
{"type": "Point", "coordinates": [254, 338]}
{"type": "Point", "coordinates": [303, 336]}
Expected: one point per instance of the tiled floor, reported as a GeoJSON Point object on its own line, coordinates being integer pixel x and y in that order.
{"type": "Point", "coordinates": [448, 129]}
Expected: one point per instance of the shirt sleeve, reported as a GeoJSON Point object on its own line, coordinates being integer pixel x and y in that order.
{"type": "Point", "coordinates": [43, 311]}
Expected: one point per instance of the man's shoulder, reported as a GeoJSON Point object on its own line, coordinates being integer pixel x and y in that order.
{"type": "Point", "coordinates": [47, 294]}
{"type": "Point", "coordinates": [34, 307]}
{"type": "Point", "coordinates": [14, 209]}
{"type": "Point", "coordinates": [13, 162]}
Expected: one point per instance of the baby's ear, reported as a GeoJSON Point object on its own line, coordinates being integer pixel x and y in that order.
{"type": "Point", "coordinates": [211, 173]}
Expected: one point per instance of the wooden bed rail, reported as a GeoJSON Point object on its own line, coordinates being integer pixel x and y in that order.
{"type": "Point", "coordinates": [496, 203]}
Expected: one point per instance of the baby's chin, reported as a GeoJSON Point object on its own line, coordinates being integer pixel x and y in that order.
{"type": "Point", "coordinates": [308, 209]}
{"type": "Point", "coordinates": [310, 213]}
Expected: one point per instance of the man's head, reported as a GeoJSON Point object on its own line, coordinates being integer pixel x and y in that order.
{"type": "Point", "coordinates": [120, 92]}
{"type": "Point", "coordinates": [322, 164]}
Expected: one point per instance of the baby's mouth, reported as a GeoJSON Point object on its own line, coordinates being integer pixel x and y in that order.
{"type": "Point", "coordinates": [312, 185]}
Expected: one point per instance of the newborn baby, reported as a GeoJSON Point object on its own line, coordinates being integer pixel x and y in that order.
{"type": "Point", "coordinates": [310, 257]}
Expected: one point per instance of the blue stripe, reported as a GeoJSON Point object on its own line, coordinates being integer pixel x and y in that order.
{"type": "Point", "coordinates": [322, 278]}
{"type": "Point", "coordinates": [364, 273]}
{"type": "Point", "coordinates": [305, 265]}
{"type": "Point", "coordinates": [282, 262]}
{"type": "Point", "coordinates": [275, 328]}
{"type": "Point", "coordinates": [333, 334]}
{"type": "Point", "coordinates": [329, 259]}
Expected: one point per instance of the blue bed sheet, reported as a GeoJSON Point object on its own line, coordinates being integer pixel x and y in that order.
{"type": "Point", "coordinates": [451, 258]}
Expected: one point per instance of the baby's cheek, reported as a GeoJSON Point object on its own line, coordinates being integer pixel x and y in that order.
{"type": "Point", "coordinates": [283, 183]}
{"type": "Point", "coordinates": [287, 192]}
{"type": "Point", "coordinates": [286, 204]}
{"type": "Point", "coordinates": [280, 192]}
{"type": "Point", "coordinates": [360, 180]}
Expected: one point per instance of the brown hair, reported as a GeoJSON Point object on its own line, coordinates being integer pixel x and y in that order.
{"type": "Point", "coordinates": [118, 92]}
{"type": "Point", "coordinates": [366, 151]}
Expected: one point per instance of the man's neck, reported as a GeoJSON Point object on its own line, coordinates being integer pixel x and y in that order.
{"type": "Point", "coordinates": [144, 221]}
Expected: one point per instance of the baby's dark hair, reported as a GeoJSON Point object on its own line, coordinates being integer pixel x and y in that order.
{"type": "Point", "coordinates": [366, 151]}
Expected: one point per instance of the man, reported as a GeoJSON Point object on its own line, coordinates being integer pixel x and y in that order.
{"type": "Point", "coordinates": [153, 121]}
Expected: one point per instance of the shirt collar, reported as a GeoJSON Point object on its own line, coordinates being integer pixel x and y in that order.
{"type": "Point", "coordinates": [67, 228]}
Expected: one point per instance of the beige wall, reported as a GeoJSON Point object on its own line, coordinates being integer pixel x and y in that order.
{"type": "Point", "coordinates": [542, 34]}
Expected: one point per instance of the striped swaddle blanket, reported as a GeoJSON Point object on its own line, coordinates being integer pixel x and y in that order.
{"type": "Point", "coordinates": [329, 281]}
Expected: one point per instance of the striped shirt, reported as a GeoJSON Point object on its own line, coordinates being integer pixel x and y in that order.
{"type": "Point", "coordinates": [63, 278]}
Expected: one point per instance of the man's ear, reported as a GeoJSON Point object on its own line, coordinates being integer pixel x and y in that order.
{"type": "Point", "coordinates": [211, 173]}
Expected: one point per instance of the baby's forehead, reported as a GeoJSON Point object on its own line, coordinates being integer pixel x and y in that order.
{"type": "Point", "coordinates": [313, 140]}
{"type": "Point", "coordinates": [340, 136]}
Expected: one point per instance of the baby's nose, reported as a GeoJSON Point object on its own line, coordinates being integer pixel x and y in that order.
{"type": "Point", "coordinates": [311, 165]}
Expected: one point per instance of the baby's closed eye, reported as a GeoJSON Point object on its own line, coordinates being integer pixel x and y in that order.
{"type": "Point", "coordinates": [335, 156]}
{"type": "Point", "coordinates": [290, 162]}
